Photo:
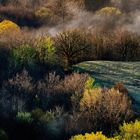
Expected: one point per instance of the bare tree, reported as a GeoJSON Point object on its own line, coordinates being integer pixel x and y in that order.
{"type": "Point", "coordinates": [128, 45]}
{"type": "Point", "coordinates": [72, 46]}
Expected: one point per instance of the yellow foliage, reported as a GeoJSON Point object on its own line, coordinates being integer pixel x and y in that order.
{"type": "Point", "coordinates": [45, 49]}
{"type": "Point", "coordinates": [89, 83]}
{"type": "Point", "coordinates": [130, 131]}
{"type": "Point", "coordinates": [90, 97]}
{"type": "Point", "coordinates": [92, 136]}
{"type": "Point", "coordinates": [43, 12]}
{"type": "Point", "coordinates": [111, 97]}
{"type": "Point", "coordinates": [108, 104]}
{"type": "Point", "coordinates": [109, 11]}
{"type": "Point", "coordinates": [7, 26]}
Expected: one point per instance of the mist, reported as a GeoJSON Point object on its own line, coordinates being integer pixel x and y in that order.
{"type": "Point", "coordinates": [90, 20]}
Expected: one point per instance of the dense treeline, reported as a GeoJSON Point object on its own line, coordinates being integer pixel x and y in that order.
{"type": "Point", "coordinates": [65, 49]}
{"type": "Point", "coordinates": [37, 13]}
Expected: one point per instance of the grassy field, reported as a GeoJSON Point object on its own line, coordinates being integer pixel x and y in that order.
{"type": "Point", "coordinates": [108, 73]}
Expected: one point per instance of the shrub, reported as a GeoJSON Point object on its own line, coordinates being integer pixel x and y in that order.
{"type": "Point", "coordinates": [50, 82]}
{"type": "Point", "coordinates": [45, 50]}
{"type": "Point", "coordinates": [7, 27]}
{"type": "Point", "coordinates": [23, 81]}
{"type": "Point", "coordinates": [43, 12]}
{"type": "Point", "coordinates": [92, 136]}
{"type": "Point", "coordinates": [56, 125]}
{"type": "Point", "coordinates": [15, 95]}
{"type": "Point", "coordinates": [130, 131]}
{"type": "Point", "coordinates": [47, 117]}
{"type": "Point", "coordinates": [51, 122]}
{"type": "Point", "coordinates": [109, 11]}
{"type": "Point", "coordinates": [37, 113]}
{"type": "Point", "coordinates": [22, 56]}
{"type": "Point", "coordinates": [46, 57]}
{"type": "Point", "coordinates": [75, 82]}
{"type": "Point", "coordinates": [24, 117]}
{"type": "Point", "coordinates": [90, 97]}
{"type": "Point", "coordinates": [120, 86]}
{"type": "Point", "coordinates": [37, 55]}
{"type": "Point", "coordinates": [105, 109]}
{"type": "Point", "coordinates": [53, 91]}
{"type": "Point", "coordinates": [47, 93]}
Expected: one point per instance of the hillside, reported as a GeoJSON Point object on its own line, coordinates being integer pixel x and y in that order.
{"type": "Point", "coordinates": [69, 69]}
{"type": "Point", "coordinates": [108, 73]}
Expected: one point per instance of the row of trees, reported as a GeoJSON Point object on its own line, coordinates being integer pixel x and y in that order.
{"type": "Point", "coordinates": [88, 4]}
{"type": "Point", "coordinates": [66, 48]}
{"type": "Point", "coordinates": [76, 46]}
{"type": "Point", "coordinates": [30, 13]}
